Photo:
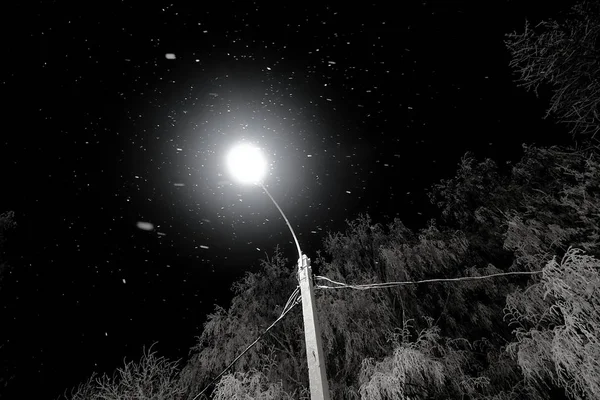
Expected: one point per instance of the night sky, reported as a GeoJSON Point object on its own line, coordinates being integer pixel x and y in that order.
{"type": "Point", "coordinates": [116, 123]}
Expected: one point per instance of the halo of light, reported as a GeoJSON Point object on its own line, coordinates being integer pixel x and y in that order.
{"type": "Point", "coordinates": [246, 163]}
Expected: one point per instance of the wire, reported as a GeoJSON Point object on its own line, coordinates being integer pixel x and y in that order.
{"type": "Point", "coordinates": [341, 285]}
{"type": "Point", "coordinates": [288, 307]}
{"type": "Point", "coordinates": [292, 299]}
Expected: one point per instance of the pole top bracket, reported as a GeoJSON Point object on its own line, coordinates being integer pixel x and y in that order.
{"type": "Point", "coordinates": [304, 262]}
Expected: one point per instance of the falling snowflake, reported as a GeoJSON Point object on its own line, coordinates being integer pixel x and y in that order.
{"type": "Point", "coordinates": [124, 281]}
{"type": "Point", "coordinates": [145, 226]}
{"type": "Point", "coordinates": [170, 56]}
{"type": "Point", "coordinates": [203, 246]}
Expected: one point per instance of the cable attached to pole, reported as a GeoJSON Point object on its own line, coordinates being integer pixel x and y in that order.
{"type": "Point", "coordinates": [291, 303]}
{"type": "Point", "coordinates": [341, 285]}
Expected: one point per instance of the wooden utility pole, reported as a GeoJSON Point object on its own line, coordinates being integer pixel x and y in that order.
{"type": "Point", "coordinates": [319, 388]}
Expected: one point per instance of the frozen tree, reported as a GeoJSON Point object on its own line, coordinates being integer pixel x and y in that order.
{"type": "Point", "coordinates": [559, 205]}
{"type": "Point", "coordinates": [550, 200]}
{"type": "Point", "coordinates": [557, 327]}
{"type": "Point", "coordinates": [252, 385]}
{"type": "Point", "coordinates": [152, 378]}
{"type": "Point", "coordinates": [360, 325]}
{"type": "Point", "coordinates": [257, 302]}
{"type": "Point", "coordinates": [547, 202]}
{"type": "Point", "coordinates": [566, 56]}
{"type": "Point", "coordinates": [429, 366]}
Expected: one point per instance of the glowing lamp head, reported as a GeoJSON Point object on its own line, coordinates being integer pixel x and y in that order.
{"type": "Point", "coordinates": [246, 163]}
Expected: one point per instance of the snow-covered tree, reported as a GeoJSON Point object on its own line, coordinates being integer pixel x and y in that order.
{"type": "Point", "coordinates": [557, 327]}
{"type": "Point", "coordinates": [565, 56]}
{"type": "Point", "coordinates": [152, 378]}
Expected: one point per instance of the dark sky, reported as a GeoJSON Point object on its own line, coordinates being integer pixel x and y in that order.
{"type": "Point", "coordinates": [122, 113]}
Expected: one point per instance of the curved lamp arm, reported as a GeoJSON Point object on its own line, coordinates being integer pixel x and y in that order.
{"type": "Point", "coordinates": [286, 221]}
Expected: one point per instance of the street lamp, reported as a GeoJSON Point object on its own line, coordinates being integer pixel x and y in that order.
{"type": "Point", "coordinates": [247, 165]}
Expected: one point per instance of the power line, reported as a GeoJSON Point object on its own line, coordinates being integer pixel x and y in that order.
{"type": "Point", "coordinates": [341, 285]}
{"type": "Point", "coordinates": [293, 300]}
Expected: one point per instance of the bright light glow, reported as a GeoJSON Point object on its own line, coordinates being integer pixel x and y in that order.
{"type": "Point", "coordinates": [246, 163]}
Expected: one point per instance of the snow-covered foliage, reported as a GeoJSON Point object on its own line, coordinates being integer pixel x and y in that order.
{"type": "Point", "coordinates": [558, 326]}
